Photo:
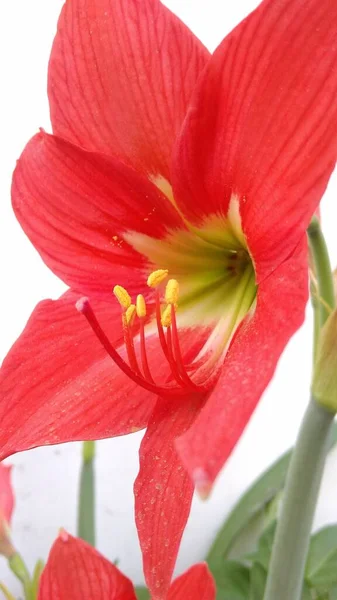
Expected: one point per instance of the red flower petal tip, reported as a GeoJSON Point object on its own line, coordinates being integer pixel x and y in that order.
{"type": "Point", "coordinates": [202, 482]}
{"type": "Point", "coordinates": [63, 535]}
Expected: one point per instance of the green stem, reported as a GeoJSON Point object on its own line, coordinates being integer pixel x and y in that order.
{"type": "Point", "coordinates": [86, 508]}
{"type": "Point", "coordinates": [326, 295]}
{"type": "Point", "coordinates": [290, 548]}
{"type": "Point", "coordinates": [88, 451]}
{"type": "Point", "coordinates": [286, 569]}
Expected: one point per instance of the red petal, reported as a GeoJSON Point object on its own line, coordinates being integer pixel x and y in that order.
{"type": "Point", "coordinates": [195, 584]}
{"type": "Point", "coordinates": [120, 78]}
{"type": "Point", "coordinates": [248, 368]}
{"type": "Point", "coordinates": [57, 384]}
{"type": "Point", "coordinates": [263, 125]}
{"type": "Point", "coordinates": [6, 493]}
{"type": "Point", "coordinates": [163, 491]}
{"type": "Point", "coordinates": [76, 571]}
{"type": "Point", "coordinates": [75, 207]}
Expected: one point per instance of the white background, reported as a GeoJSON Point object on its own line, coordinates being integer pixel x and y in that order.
{"type": "Point", "coordinates": [46, 479]}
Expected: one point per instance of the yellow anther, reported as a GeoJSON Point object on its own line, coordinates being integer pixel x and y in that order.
{"type": "Point", "coordinates": [141, 306]}
{"type": "Point", "coordinates": [166, 318]}
{"type": "Point", "coordinates": [172, 291]}
{"type": "Point", "coordinates": [156, 277]}
{"type": "Point", "coordinates": [130, 314]}
{"type": "Point", "coordinates": [122, 296]}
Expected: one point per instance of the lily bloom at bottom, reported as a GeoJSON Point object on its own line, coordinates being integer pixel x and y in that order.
{"type": "Point", "coordinates": [77, 571]}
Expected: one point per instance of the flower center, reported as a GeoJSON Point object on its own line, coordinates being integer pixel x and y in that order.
{"type": "Point", "coordinates": [216, 289]}
{"type": "Point", "coordinates": [211, 263]}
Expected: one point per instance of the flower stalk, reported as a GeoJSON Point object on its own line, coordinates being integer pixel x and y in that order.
{"type": "Point", "coordinates": [86, 507]}
{"type": "Point", "coordinates": [285, 576]}
{"type": "Point", "coordinates": [287, 565]}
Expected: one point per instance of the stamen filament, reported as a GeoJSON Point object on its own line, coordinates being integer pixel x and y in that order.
{"type": "Point", "coordinates": [177, 351]}
{"type": "Point", "coordinates": [166, 316]}
{"type": "Point", "coordinates": [161, 333]}
{"type": "Point", "coordinates": [143, 355]}
{"type": "Point", "coordinates": [170, 357]}
{"type": "Point", "coordinates": [130, 348]}
{"type": "Point", "coordinates": [83, 306]}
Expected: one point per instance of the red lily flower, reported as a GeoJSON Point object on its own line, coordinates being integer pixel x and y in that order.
{"type": "Point", "coordinates": [75, 570]}
{"type": "Point", "coordinates": [216, 182]}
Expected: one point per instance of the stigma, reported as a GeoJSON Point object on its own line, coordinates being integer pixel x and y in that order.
{"type": "Point", "coordinates": [182, 375]}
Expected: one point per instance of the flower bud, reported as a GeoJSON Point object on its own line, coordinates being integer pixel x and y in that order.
{"type": "Point", "coordinates": [324, 383]}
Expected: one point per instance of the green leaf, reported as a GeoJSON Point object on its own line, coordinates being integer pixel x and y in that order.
{"type": "Point", "coordinates": [253, 502]}
{"type": "Point", "coordinates": [333, 593]}
{"type": "Point", "coordinates": [330, 595]}
{"type": "Point", "coordinates": [262, 556]}
{"type": "Point", "coordinates": [258, 578]}
{"type": "Point", "coordinates": [247, 541]}
{"type": "Point", "coordinates": [142, 593]}
{"type": "Point", "coordinates": [321, 568]}
{"type": "Point", "coordinates": [250, 505]}
{"type": "Point", "coordinates": [232, 581]}
{"type": "Point", "coordinates": [306, 593]}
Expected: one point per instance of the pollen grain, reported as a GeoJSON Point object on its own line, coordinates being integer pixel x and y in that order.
{"type": "Point", "coordinates": [141, 306]}
{"type": "Point", "coordinates": [122, 296]}
{"type": "Point", "coordinates": [172, 291]}
{"type": "Point", "coordinates": [157, 277]}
